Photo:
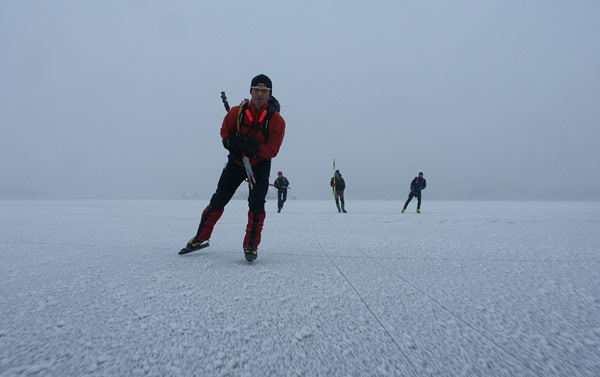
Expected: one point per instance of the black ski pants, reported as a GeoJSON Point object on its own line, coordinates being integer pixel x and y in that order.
{"type": "Point", "coordinates": [231, 178]}
{"type": "Point", "coordinates": [281, 197]}
{"type": "Point", "coordinates": [412, 195]}
{"type": "Point", "coordinates": [339, 197]}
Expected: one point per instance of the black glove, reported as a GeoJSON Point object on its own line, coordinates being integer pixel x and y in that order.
{"type": "Point", "coordinates": [235, 144]}
{"type": "Point", "coordinates": [251, 147]}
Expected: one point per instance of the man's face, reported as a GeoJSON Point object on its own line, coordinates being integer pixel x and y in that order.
{"type": "Point", "coordinates": [420, 175]}
{"type": "Point", "coordinates": [260, 96]}
{"type": "Point", "coordinates": [279, 175]}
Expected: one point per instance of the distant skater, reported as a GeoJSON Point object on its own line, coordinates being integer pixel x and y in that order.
{"type": "Point", "coordinates": [281, 184]}
{"type": "Point", "coordinates": [252, 133]}
{"type": "Point", "coordinates": [338, 184]}
{"type": "Point", "coordinates": [416, 186]}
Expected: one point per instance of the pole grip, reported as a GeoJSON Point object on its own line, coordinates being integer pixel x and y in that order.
{"type": "Point", "coordinates": [225, 102]}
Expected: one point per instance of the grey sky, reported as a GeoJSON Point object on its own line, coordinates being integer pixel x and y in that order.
{"type": "Point", "coordinates": [120, 99]}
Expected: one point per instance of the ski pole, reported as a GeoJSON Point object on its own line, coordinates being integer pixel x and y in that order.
{"type": "Point", "coordinates": [249, 172]}
{"type": "Point", "coordinates": [245, 160]}
{"type": "Point", "coordinates": [334, 184]}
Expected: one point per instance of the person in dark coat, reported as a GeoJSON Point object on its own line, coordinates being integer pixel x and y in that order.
{"type": "Point", "coordinates": [339, 185]}
{"type": "Point", "coordinates": [416, 186]}
{"type": "Point", "coordinates": [281, 184]}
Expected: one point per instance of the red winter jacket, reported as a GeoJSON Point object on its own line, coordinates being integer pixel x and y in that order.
{"type": "Point", "coordinates": [252, 128]}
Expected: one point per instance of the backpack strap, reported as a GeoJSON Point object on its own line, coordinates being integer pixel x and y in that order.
{"type": "Point", "coordinates": [241, 112]}
{"type": "Point", "coordinates": [271, 109]}
{"type": "Point", "coordinates": [270, 113]}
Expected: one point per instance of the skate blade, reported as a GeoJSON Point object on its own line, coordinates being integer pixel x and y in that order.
{"type": "Point", "coordinates": [185, 250]}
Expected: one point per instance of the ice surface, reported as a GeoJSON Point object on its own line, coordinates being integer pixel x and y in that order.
{"type": "Point", "coordinates": [96, 288]}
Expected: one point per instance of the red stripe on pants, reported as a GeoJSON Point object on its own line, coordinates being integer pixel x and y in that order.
{"type": "Point", "coordinates": [207, 222]}
{"type": "Point", "coordinates": [254, 229]}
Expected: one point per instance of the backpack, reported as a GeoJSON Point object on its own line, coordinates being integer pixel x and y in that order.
{"type": "Point", "coordinates": [273, 106]}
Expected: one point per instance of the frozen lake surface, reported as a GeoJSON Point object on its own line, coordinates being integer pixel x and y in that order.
{"type": "Point", "coordinates": [96, 288]}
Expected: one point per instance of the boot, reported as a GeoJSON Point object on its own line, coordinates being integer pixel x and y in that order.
{"type": "Point", "coordinates": [250, 254]}
{"type": "Point", "coordinates": [253, 234]}
{"type": "Point", "coordinates": [418, 210]}
{"type": "Point", "coordinates": [403, 210]}
{"type": "Point", "coordinates": [193, 245]}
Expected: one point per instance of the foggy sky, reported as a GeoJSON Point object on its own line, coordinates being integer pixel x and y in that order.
{"type": "Point", "coordinates": [120, 99]}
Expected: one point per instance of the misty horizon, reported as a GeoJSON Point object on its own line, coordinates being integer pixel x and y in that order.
{"type": "Point", "coordinates": [114, 100]}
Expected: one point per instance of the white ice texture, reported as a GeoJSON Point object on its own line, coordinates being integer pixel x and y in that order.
{"type": "Point", "coordinates": [96, 288]}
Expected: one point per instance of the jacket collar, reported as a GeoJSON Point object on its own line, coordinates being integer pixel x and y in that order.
{"type": "Point", "coordinates": [254, 110]}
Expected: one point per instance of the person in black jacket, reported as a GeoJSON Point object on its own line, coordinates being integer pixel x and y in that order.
{"type": "Point", "coordinates": [417, 184]}
{"type": "Point", "coordinates": [281, 184]}
{"type": "Point", "coordinates": [338, 184]}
